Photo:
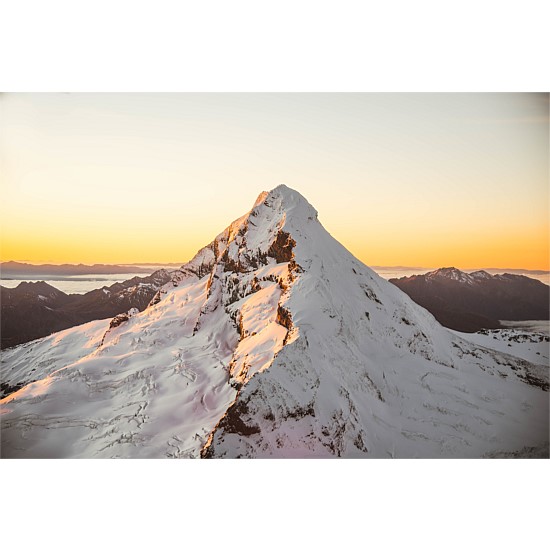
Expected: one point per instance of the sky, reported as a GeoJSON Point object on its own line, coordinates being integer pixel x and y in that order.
{"type": "Point", "coordinates": [404, 179]}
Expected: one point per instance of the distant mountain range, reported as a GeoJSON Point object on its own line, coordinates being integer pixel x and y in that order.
{"type": "Point", "coordinates": [21, 268]}
{"type": "Point", "coordinates": [490, 270]}
{"type": "Point", "coordinates": [34, 310]}
{"type": "Point", "coordinates": [478, 300]}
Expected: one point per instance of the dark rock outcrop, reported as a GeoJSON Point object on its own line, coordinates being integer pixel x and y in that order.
{"type": "Point", "coordinates": [281, 248]}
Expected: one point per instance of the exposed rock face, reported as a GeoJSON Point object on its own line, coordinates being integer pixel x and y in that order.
{"type": "Point", "coordinates": [284, 318]}
{"type": "Point", "coordinates": [118, 320]}
{"type": "Point", "coordinates": [281, 249]}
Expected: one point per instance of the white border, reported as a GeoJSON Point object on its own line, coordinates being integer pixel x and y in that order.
{"type": "Point", "coordinates": [290, 45]}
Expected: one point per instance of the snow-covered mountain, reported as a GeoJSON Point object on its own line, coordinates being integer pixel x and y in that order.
{"type": "Point", "coordinates": [274, 341]}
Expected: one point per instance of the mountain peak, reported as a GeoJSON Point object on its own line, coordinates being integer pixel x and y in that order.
{"type": "Point", "coordinates": [282, 188]}
{"type": "Point", "coordinates": [449, 273]}
{"type": "Point", "coordinates": [37, 287]}
{"type": "Point", "coordinates": [446, 271]}
{"type": "Point", "coordinates": [481, 274]}
{"type": "Point", "coordinates": [287, 193]}
{"type": "Point", "coordinates": [291, 203]}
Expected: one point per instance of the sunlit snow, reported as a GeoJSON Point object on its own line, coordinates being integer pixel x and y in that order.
{"type": "Point", "coordinates": [274, 341]}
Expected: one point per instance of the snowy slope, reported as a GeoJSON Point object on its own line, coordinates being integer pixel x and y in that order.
{"type": "Point", "coordinates": [530, 346]}
{"type": "Point", "coordinates": [274, 341]}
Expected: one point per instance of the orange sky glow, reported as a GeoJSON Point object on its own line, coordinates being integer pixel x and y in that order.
{"type": "Point", "coordinates": [400, 179]}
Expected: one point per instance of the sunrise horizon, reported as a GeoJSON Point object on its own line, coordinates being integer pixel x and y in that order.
{"type": "Point", "coordinates": [489, 257]}
{"type": "Point", "coordinates": [399, 179]}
